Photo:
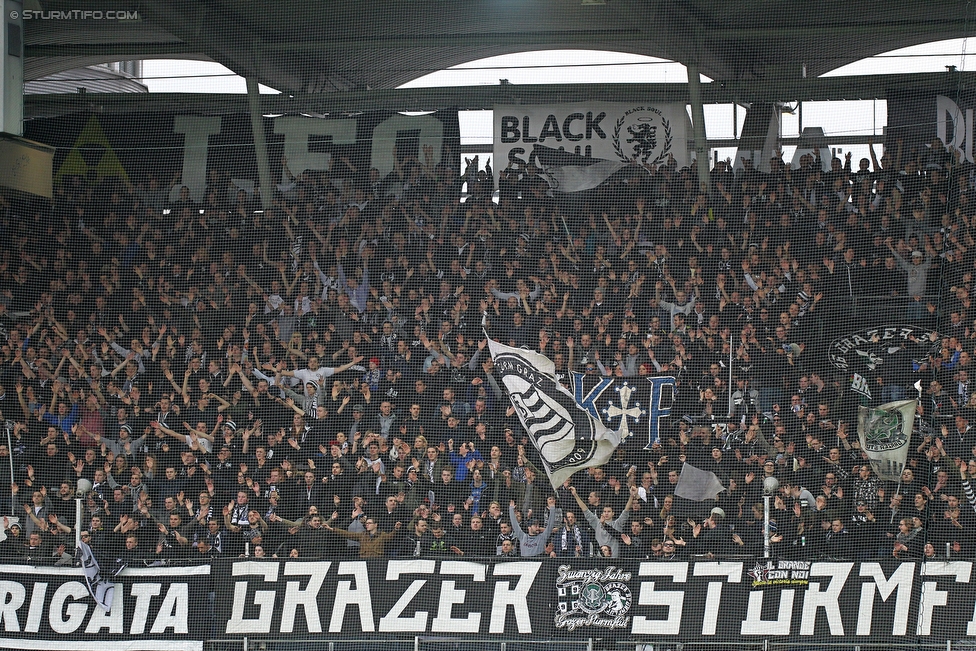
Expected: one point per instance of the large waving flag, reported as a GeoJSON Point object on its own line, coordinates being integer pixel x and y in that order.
{"type": "Point", "coordinates": [885, 434]}
{"type": "Point", "coordinates": [567, 436]}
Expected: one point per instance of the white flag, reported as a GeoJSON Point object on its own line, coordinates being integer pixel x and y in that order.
{"type": "Point", "coordinates": [574, 178]}
{"type": "Point", "coordinates": [567, 437]}
{"type": "Point", "coordinates": [885, 434]}
{"type": "Point", "coordinates": [697, 485]}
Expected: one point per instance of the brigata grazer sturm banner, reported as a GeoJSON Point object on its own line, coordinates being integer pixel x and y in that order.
{"type": "Point", "coordinates": [717, 601]}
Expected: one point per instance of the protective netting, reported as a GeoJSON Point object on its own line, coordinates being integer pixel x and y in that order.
{"type": "Point", "coordinates": [265, 384]}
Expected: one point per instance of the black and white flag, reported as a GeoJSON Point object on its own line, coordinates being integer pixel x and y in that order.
{"type": "Point", "coordinates": [567, 436]}
{"type": "Point", "coordinates": [102, 591]}
{"type": "Point", "coordinates": [569, 172]}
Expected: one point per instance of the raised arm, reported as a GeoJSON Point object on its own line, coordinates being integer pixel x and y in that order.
{"type": "Point", "coordinates": [516, 527]}
{"type": "Point", "coordinates": [579, 500]}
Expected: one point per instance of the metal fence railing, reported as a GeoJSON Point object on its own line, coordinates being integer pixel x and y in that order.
{"type": "Point", "coordinates": [584, 644]}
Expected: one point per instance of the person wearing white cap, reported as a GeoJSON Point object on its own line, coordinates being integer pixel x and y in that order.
{"type": "Point", "coordinates": [715, 536]}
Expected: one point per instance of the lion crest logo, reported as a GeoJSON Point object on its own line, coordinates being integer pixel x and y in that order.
{"type": "Point", "coordinates": [644, 137]}
{"type": "Point", "coordinates": [637, 136]}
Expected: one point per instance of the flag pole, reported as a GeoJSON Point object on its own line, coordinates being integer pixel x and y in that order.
{"type": "Point", "coordinates": [10, 456]}
{"type": "Point", "coordinates": [78, 519]}
{"type": "Point", "coordinates": [730, 377]}
{"type": "Point", "coordinates": [569, 236]}
{"type": "Point", "coordinates": [766, 541]}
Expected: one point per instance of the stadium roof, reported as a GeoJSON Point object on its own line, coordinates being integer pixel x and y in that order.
{"type": "Point", "coordinates": [348, 49]}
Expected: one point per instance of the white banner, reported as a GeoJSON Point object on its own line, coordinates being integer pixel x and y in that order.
{"type": "Point", "coordinates": [614, 131]}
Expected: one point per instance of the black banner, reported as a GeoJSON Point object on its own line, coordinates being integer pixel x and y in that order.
{"type": "Point", "coordinates": [917, 117]}
{"type": "Point", "coordinates": [719, 601]}
{"type": "Point", "coordinates": [395, 597]}
{"type": "Point", "coordinates": [51, 608]}
{"type": "Point", "coordinates": [133, 145]}
{"type": "Point", "coordinates": [725, 601]}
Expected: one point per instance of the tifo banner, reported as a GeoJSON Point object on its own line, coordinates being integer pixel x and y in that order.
{"type": "Point", "coordinates": [682, 601]}
{"type": "Point", "coordinates": [558, 135]}
{"type": "Point", "coordinates": [51, 608]}
{"type": "Point", "coordinates": [719, 601]}
{"type": "Point", "coordinates": [193, 146]}
{"type": "Point", "coordinates": [916, 118]}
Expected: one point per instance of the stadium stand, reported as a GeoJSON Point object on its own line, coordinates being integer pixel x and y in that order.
{"type": "Point", "coordinates": [222, 375]}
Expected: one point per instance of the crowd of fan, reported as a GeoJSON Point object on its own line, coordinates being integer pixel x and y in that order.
{"type": "Point", "coordinates": [313, 380]}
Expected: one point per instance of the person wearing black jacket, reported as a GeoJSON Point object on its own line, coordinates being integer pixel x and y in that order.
{"type": "Point", "coordinates": [865, 530]}
{"type": "Point", "coordinates": [715, 535]}
{"type": "Point", "coordinates": [13, 544]}
{"type": "Point", "coordinates": [415, 540]}
{"type": "Point", "coordinates": [478, 541]}
{"type": "Point", "coordinates": [311, 492]}
{"type": "Point", "coordinates": [837, 541]}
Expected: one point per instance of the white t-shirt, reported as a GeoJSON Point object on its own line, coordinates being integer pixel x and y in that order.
{"type": "Point", "coordinates": [204, 443]}
{"type": "Point", "coordinates": [318, 376]}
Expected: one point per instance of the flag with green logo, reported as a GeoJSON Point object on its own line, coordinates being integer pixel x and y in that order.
{"type": "Point", "coordinates": [885, 433]}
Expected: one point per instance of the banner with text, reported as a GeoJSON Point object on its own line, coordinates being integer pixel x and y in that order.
{"type": "Point", "coordinates": [723, 601]}
{"type": "Point", "coordinates": [192, 146]}
{"type": "Point", "coordinates": [916, 118]}
{"type": "Point", "coordinates": [719, 601]}
{"type": "Point", "coordinates": [51, 608]}
{"type": "Point", "coordinates": [863, 353]}
{"type": "Point", "coordinates": [613, 131]}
